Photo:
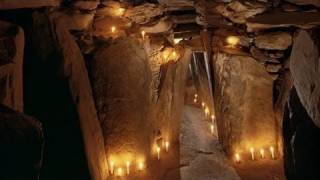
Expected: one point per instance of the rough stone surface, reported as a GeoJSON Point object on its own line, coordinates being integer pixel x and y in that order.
{"type": "Point", "coordinates": [273, 41]}
{"type": "Point", "coordinates": [243, 102]}
{"type": "Point", "coordinates": [304, 20]}
{"type": "Point", "coordinates": [11, 65]}
{"type": "Point", "coordinates": [86, 5]}
{"type": "Point", "coordinates": [76, 20]}
{"type": "Point", "coordinates": [144, 13]}
{"type": "Point", "coordinates": [301, 141]}
{"type": "Point", "coordinates": [74, 68]}
{"type": "Point", "coordinates": [273, 68]}
{"type": "Point", "coordinates": [305, 2]}
{"type": "Point", "coordinates": [164, 25]}
{"type": "Point", "coordinates": [121, 81]}
{"type": "Point", "coordinates": [21, 141]}
{"type": "Point", "coordinates": [18, 4]}
{"type": "Point", "coordinates": [304, 66]}
{"type": "Point", "coordinates": [239, 12]}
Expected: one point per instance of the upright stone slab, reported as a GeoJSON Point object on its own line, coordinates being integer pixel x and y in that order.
{"type": "Point", "coordinates": [243, 101]}
{"type": "Point", "coordinates": [11, 62]}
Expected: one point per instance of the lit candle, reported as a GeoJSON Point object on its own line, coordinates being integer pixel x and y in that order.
{"type": "Point", "coordinates": [207, 111]}
{"type": "Point", "coordinates": [128, 167]}
{"type": "Point", "coordinates": [167, 144]}
{"type": "Point", "coordinates": [113, 29]}
{"type": "Point", "coordinates": [174, 54]}
{"type": "Point", "coordinates": [233, 40]}
{"type": "Point", "coordinates": [237, 157]}
{"type": "Point", "coordinates": [140, 166]}
{"type": "Point", "coordinates": [158, 152]}
{"type": "Point", "coordinates": [212, 118]}
{"type": "Point", "coordinates": [203, 104]}
{"type": "Point", "coordinates": [119, 171]}
{"type": "Point", "coordinates": [143, 33]}
{"type": "Point", "coordinates": [111, 167]}
{"type": "Point", "coordinates": [196, 95]}
{"type": "Point", "coordinates": [262, 153]}
{"type": "Point", "coordinates": [272, 152]}
{"type": "Point", "coordinates": [195, 100]}
{"type": "Point", "coordinates": [252, 153]}
{"type": "Point", "coordinates": [212, 129]}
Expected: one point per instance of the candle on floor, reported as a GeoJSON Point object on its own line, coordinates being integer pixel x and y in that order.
{"type": "Point", "coordinates": [128, 167]}
{"type": "Point", "coordinates": [143, 33]}
{"type": "Point", "coordinates": [237, 157]}
{"type": "Point", "coordinates": [158, 152]}
{"type": "Point", "coordinates": [272, 152]}
{"type": "Point", "coordinates": [252, 153]}
{"type": "Point", "coordinates": [140, 166]}
{"type": "Point", "coordinates": [262, 153]}
{"type": "Point", "coordinates": [167, 144]}
{"type": "Point", "coordinates": [119, 171]}
{"type": "Point", "coordinates": [113, 29]}
{"type": "Point", "coordinates": [212, 129]}
{"type": "Point", "coordinates": [111, 167]}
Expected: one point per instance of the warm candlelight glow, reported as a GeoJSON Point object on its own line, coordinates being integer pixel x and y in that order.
{"type": "Point", "coordinates": [128, 167]}
{"type": "Point", "coordinates": [143, 33]}
{"type": "Point", "coordinates": [140, 166]}
{"type": "Point", "coordinates": [207, 111]}
{"type": "Point", "coordinates": [113, 29]}
{"type": "Point", "coordinates": [213, 118]}
{"type": "Point", "coordinates": [119, 171]}
{"type": "Point", "coordinates": [196, 95]}
{"type": "Point", "coordinates": [262, 153]}
{"type": "Point", "coordinates": [237, 157]}
{"type": "Point", "coordinates": [174, 55]}
{"type": "Point", "coordinates": [212, 129]}
{"type": "Point", "coordinates": [158, 152]}
{"type": "Point", "coordinates": [120, 12]}
{"type": "Point", "coordinates": [111, 167]}
{"type": "Point", "coordinates": [252, 153]}
{"type": "Point", "coordinates": [167, 144]}
{"type": "Point", "coordinates": [195, 100]}
{"type": "Point", "coordinates": [177, 40]}
{"type": "Point", "coordinates": [203, 104]}
{"type": "Point", "coordinates": [272, 152]}
{"type": "Point", "coordinates": [233, 40]}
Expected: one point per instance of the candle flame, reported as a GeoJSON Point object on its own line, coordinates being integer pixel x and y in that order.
{"type": "Point", "coordinates": [196, 95]}
{"type": "Point", "coordinates": [237, 157]}
{"type": "Point", "coordinates": [128, 167]}
{"type": "Point", "coordinates": [111, 167]}
{"type": "Point", "coordinates": [113, 29]}
{"type": "Point", "coordinates": [158, 152]}
{"type": "Point", "coordinates": [143, 33]}
{"type": "Point", "coordinates": [212, 129]}
{"type": "Point", "coordinates": [262, 153]}
{"type": "Point", "coordinates": [252, 153]}
{"type": "Point", "coordinates": [120, 171]}
{"type": "Point", "coordinates": [140, 166]}
{"type": "Point", "coordinates": [167, 144]}
{"type": "Point", "coordinates": [233, 40]}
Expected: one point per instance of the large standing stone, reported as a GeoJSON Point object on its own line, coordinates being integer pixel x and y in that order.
{"type": "Point", "coordinates": [304, 66]}
{"type": "Point", "coordinates": [243, 101]}
{"type": "Point", "coordinates": [21, 142]}
{"type": "Point", "coordinates": [11, 62]}
{"type": "Point", "coordinates": [121, 84]}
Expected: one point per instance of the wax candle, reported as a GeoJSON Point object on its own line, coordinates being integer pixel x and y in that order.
{"type": "Point", "coordinates": [232, 40]}
{"type": "Point", "coordinates": [203, 104]}
{"type": "Point", "coordinates": [128, 167]}
{"type": "Point", "coordinates": [196, 95]}
{"type": "Point", "coordinates": [158, 152]}
{"type": "Point", "coordinates": [262, 153]}
{"type": "Point", "coordinates": [207, 111]}
{"type": "Point", "coordinates": [140, 166]}
{"type": "Point", "coordinates": [237, 157]}
{"type": "Point", "coordinates": [272, 152]}
{"type": "Point", "coordinates": [111, 167]}
{"type": "Point", "coordinates": [252, 153]}
{"type": "Point", "coordinates": [113, 29]}
{"type": "Point", "coordinates": [167, 144]}
{"type": "Point", "coordinates": [195, 100]}
{"type": "Point", "coordinates": [212, 129]}
{"type": "Point", "coordinates": [119, 171]}
{"type": "Point", "coordinates": [143, 33]}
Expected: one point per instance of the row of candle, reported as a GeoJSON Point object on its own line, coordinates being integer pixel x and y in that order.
{"type": "Point", "coordinates": [166, 145]}
{"type": "Point", "coordinates": [252, 153]}
{"type": "Point", "coordinates": [119, 171]}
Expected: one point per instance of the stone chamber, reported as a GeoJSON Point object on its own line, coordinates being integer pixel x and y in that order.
{"type": "Point", "coordinates": [159, 89]}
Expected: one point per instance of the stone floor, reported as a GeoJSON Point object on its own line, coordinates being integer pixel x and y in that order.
{"type": "Point", "coordinates": [202, 157]}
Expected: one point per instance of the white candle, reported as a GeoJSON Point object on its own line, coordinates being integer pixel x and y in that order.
{"type": "Point", "coordinates": [113, 29]}
{"type": "Point", "coordinates": [158, 152]}
{"type": "Point", "coordinates": [252, 153]}
{"type": "Point", "coordinates": [143, 33]}
{"type": "Point", "coordinates": [262, 153]}
{"type": "Point", "coordinates": [212, 129]}
{"type": "Point", "coordinates": [167, 144]}
{"type": "Point", "coordinates": [140, 166]}
{"type": "Point", "coordinates": [237, 157]}
{"type": "Point", "coordinates": [119, 171]}
{"type": "Point", "coordinates": [111, 167]}
{"type": "Point", "coordinates": [272, 152]}
{"type": "Point", "coordinates": [212, 118]}
{"type": "Point", "coordinates": [128, 167]}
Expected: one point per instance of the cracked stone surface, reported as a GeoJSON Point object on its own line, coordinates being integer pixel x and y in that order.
{"type": "Point", "coordinates": [202, 156]}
